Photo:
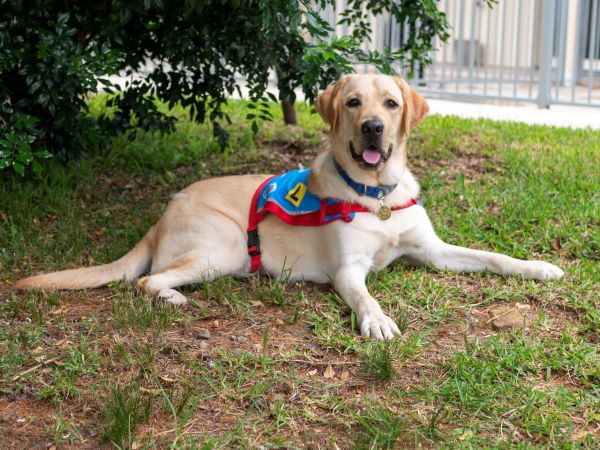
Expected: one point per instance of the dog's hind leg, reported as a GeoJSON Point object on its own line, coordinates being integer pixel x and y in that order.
{"type": "Point", "coordinates": [192, 267]}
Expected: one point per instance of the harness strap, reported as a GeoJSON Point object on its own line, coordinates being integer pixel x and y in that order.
{"type": "Point", "coordinates": [341, 209]}
{"type": "Point", "coordinates": [345, 208]}
{"type": "Point", "coordinates": [253, 219]}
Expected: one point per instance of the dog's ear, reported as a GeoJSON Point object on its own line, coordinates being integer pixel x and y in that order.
{"type": "Point", "coordinates": [415, 106]}
{"type": "Point", "coordinates": [327, 102]}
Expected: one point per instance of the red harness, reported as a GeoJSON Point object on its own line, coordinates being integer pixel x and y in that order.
{"type": "Point", "coordinates": [315, 218]}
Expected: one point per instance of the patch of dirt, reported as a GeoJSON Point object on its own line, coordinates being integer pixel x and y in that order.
{"type": "Point", "coordinates": [24, 419]}
{"type": "Point", "coordinates": [275, 157]}
{"type": "Point", "coordinates": [228, 332]}
{"type": "Point", "coordinates": [24, 423]}
{"type": "Point", "coordinates": [115, 190]}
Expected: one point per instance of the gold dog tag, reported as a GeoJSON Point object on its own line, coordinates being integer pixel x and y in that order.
{"type": "Point", "coordinates": [384, 213]}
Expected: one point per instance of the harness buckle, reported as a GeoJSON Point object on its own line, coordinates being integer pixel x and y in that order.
{"type": "Point", "coordinates": [253, 243]}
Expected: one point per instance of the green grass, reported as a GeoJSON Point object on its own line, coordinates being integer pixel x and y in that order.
{"type": "Point", "coordinates": [284, 365]}
{"type": "Point", "coordinates": [125, 409]}
{"type": "Point", "coordinates": [520, 383]}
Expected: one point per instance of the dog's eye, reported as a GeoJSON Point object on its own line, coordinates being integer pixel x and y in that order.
{"type": "Point", "coordinates": [391, 104]}
{"type": "Point", "coordinates": [353, 103]}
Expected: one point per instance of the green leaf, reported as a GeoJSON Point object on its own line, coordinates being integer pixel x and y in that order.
{"type": "Point", "coordinates": [37, 167]}
{"type": "Point", "coordinates": [19, 168]}
{"type": "Point", "coordinates": [42, 154]}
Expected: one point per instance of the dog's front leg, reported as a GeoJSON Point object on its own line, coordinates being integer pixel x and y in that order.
{"type": "Point", "coordinates": [350, 283]}
{"type": "Point", "coordinates": [445, 256]}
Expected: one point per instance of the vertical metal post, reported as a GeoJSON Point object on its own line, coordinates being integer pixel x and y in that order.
{"type": "Point", "coordinates": [479, 12]}
{"type": "Point", "coordinates": [488, 49]}
{"type": "Point", "coordinates": [459, 56]}
{"type": "Point", "coordinates": [517, 46]}
{"type": "Point", "coordinates": [561, 42]}
{"type": "Point", "coordinates": [547, 41]}
{"type": "Point", "coordinates": [472, 43]}
{"type": "Point", "coordinates": [581, 26]}
{"type": "Point", "coordinates": [444, 50]}
{"type": "Point", "coordinates": [502, 46]}
{"type": "Point", "coordinates": [592, 50]}
{"type": "Point", "coordinates": [534, 46]}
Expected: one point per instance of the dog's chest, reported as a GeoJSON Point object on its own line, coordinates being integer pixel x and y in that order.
{"type": "Point", "coordinates": [381, 240]}
{"type": "Point", "coordinates": [317, 253]}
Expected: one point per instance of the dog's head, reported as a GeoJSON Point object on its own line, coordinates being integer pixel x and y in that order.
{"type": "Point", "coordinates": [370, 118]}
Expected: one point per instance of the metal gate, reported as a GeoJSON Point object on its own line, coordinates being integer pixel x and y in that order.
{"type": "Point", "coordinates": [542, 51]}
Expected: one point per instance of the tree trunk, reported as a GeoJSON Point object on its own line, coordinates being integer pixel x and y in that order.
{"type": "Point", "coordinates": [289, 112]}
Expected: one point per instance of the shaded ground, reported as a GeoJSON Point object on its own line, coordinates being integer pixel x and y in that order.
{"type": "Point", "coordinates": [251, 363]}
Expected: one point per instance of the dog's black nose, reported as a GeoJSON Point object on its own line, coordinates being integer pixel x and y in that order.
{"type": "Point", "coordinates": [372, 127]}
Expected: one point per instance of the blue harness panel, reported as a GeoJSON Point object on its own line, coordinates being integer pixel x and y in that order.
{"type": "Point", "coordinates": [288, 197]}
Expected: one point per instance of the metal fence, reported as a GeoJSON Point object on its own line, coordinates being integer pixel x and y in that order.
{"type": "Point", "coordinates": [542, 51]}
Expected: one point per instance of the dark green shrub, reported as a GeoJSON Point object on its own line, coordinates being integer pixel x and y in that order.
{"type": "Point", "coordinates": [54, 53]}
{"type": "Point", "coordinates": [48, 64]}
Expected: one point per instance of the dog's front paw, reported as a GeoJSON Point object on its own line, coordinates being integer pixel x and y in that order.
{"type": "Point", "coordinates": [378, 326]}
{"type": "Point", "coordinates": [541, 270]}
{"type": "Point", "coordinates": [172, 296]}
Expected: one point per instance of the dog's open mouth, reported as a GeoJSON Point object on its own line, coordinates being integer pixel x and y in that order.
{"type": "Point", "coordinates": [371, 156]}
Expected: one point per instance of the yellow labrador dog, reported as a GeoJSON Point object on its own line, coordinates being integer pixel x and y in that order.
{"type": "Point", "coordinates": [205, 229]}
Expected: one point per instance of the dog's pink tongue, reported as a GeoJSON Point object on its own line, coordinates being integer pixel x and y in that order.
{"type": "Point", "coordinates": [371, 156]}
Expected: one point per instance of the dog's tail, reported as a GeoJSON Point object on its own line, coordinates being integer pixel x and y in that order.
{"type": "Point", "coordinates": [130, 266]}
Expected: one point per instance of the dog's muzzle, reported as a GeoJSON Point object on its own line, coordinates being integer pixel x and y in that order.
{"type": "Point", "coordinates": [372, 155]}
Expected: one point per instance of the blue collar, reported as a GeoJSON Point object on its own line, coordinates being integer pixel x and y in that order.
{"type": "Point", "coordinates": [363, 189]}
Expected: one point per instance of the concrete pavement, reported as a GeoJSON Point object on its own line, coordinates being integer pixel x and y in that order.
{"type": "Point", "coordinates": [556, 115]}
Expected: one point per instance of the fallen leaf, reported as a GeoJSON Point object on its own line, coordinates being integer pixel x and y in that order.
{"type": "Point", "coordinates": [345, 375]}
{"type": "Point", "coordinates": [329, 372]}
{"type": "Point", "coordinates": [167, 379]}
{"type": "Point", "coordinates": [311, 373]}
{"type": "Point", "coordinates": [556, 244]}
{"type": "Point", "coordinates": [274, 397]}
{"type": "Point", "coordinates": [279, 322]}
